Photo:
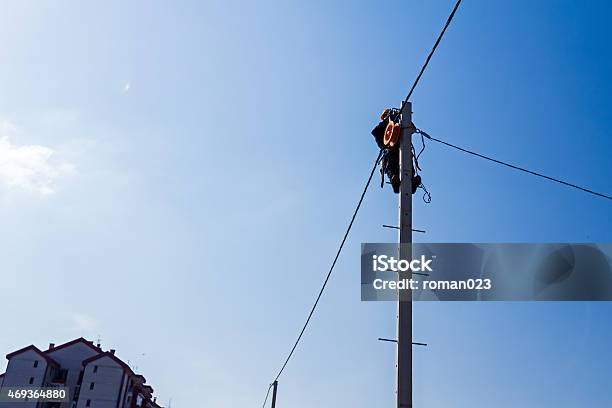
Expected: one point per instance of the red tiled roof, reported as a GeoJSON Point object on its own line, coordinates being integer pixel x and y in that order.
{"type": "Point", "coordinates": [114, 358]}
{"type": "Point", "coordinates": [32, 348]}
{"type": "Point", "coordinates": [75, 341]}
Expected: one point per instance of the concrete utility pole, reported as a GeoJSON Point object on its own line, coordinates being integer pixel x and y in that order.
{"type": "Point", "coordinates": [275, 385]}
{"type": "Point", "coordinates": [404, 305]}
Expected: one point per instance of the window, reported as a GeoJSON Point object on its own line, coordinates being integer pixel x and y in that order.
{"type": "Point", "coordinates": [91, 386]}
{"type": "Point", "coordinates": [60, 376]}
{"type": "Point", "coordinates": [88, 403]}
{"type": "Point", "coordinates": [31, 380]}
{"type": "Point", "coordinates": [95, 369]}
{"type": "Point", "coordinates": [35, 363]}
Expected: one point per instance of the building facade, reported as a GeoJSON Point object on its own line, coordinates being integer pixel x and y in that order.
{"type": "Point", "coordinates": [94, 378]}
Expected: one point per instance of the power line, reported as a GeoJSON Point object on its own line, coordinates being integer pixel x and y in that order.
{"type": "Point", "coordinates": [512, 166]}
{"type": "Point", "coordinates": [266, 399]}
{"type": "Point", "coordinates": [331, 269]}
{"type": "Point", "coordinates": [314, 306]}
{"type": "Point", "coordinates": [433, 50]}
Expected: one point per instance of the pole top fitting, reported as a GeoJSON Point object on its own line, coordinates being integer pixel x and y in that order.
{"type": "Point", "coordinates": [406, 108]}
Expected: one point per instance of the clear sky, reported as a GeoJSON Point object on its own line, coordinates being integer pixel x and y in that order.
{"type": "Point", "coordinates": [175, 177]}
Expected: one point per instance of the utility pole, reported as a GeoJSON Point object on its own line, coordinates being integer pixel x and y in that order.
{"type": "Point", "coordinates": [275, 385]}
{"type": "Point", "coordinates": [404, 304]}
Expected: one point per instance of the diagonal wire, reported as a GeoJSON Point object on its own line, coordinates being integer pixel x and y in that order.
{"type": "Point", "coordinates": [331, 269]}
{"type": "Point", "coordinates": [266, 399]}
{"type": "Point", "coordinates": [512, 166]}
{"type": "Point", "coordinates": [433, 50]}
{"type": "Point", "coordinates": [314, 306]}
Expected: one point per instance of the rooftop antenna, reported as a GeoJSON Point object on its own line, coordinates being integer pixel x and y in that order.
{"type": "Point", "coordinates": [133, 367]}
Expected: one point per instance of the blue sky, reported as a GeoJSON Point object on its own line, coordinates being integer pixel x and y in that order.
{"type": "Point", "coordinates": [175, 178]}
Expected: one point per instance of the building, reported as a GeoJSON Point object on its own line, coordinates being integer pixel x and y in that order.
{"type": "Point", "coordinates": [93, 377]}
